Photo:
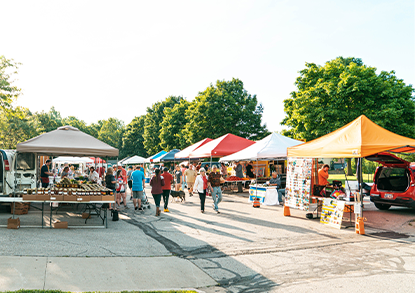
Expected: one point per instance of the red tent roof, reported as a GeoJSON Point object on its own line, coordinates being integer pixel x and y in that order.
{"type": "Point", "coordinates": [184, 154]}
{"type": "Point", "coordinates": [222, 146]}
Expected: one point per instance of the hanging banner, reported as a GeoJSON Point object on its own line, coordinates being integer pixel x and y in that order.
{"type": "Point", "coordinates": [298, 185]}
{"type": "Point", "coordinates": [332, 212]}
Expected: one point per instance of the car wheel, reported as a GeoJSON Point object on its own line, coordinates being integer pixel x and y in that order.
{"type": "Point", "coordinates": [382, 206]}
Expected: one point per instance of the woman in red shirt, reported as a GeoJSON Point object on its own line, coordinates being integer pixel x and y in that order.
{"type": "Point", "coordinates": [168, 178]}
{"type": "Point", "coordinates": [156, 183]}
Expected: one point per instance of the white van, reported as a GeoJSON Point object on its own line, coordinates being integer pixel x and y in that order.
{"type": "Point", "coordinates": [17, 171]}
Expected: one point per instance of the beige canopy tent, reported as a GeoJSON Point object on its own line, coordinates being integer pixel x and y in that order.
{"type": "Point", "coordinates": [67, 140]}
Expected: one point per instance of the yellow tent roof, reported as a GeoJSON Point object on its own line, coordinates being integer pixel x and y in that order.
{"type": "Point", "coordinates": [360, 138]}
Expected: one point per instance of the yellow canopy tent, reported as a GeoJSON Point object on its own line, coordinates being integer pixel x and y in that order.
{"type": "Point", "coordinates": [358, 139]}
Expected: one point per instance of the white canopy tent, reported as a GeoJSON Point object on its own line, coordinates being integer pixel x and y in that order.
{"type": "Point", "coordinates": [134, 160]}
{"type": "Point", "coordinates": [72, 160]}
{"type": "Point", "coordinates": [274, 146]}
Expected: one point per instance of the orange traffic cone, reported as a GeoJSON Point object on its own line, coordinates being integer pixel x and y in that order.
{"type": "Point", "coordinates": [256, 203]}
{"type": "Point", "coordinates": [287, 211]}
{"type": "Point", "coordinates": [360, 226]}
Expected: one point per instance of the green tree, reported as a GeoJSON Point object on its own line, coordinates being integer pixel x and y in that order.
{"type": "Point", "coordinates": [48, 121]}
{"type": "Point", "coordinates": [8, 91]}
{"type": "Point", "coordinates": [75, 122]}
{"type": "Point", "coordinates": [224, 108]}
{"type": "Point", "coordinates": [133, 140]}
{"type": "Point", "coordinates": [152, 123]}
{"type": "Point", "coordinates": [111, 132]}
{"type": "Point", "coordinates": [330, 96]}
{"type": "Point", "coordinates": [16, 125]}
{"type": "Point", "coordinates": [174, 121]}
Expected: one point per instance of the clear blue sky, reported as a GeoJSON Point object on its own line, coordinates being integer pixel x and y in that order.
{"type": "Point", "coordinates": [101, 59]}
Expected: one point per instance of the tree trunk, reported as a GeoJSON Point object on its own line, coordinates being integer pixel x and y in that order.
{"type": "Point", "coordinates": [349, 167]}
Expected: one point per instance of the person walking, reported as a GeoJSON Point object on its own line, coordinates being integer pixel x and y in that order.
{"type": "Point", "coordinates": [157, 182]}
{"type": "Point", "coordinates": [138, 185]}
{"type": "Point", "coordinates": [121, 190]}
{"type": "Point", "coordinates": [201, 184]}
{"type": "Point", "coordinates": [223, 170]}
{"type": "Point", "coordinates": [183, 168]}
{"type": "Point", "coordinates": [214, 185]}
{"type": "Point", "coordinates": [110, 183]}
{"type": "Point", "coordinates": [178, 177]}
{"type": "Point", "coordinates": [240, 174]}
{"type": "Point", "coordinates": [129, 180]}
{"type": "Point", "coordinates": [190, 178]}
{"type": "Point", "coordinates": [166, 188]}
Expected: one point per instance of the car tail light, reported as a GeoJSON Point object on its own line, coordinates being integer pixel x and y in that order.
{"type": "Point", "coordinates": [6, 165]}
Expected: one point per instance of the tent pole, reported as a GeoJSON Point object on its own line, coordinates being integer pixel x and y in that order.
{"type": "Point", "coordinates": [256, 178]}
{"type": "Point", "coordinates": [360, 180]}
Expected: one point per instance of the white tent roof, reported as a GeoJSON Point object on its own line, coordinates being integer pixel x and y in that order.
{"type": "Point", "coordinates": [72, 160]}
{"type": "Point", "coordinates": [134, 160]}
{"type": "Point", "coordinates": [67, 140]}
{"type": "Point", "coordinates": [274, 146]}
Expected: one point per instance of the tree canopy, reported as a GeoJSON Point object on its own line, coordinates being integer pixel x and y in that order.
{"type": "Point", "coordinates": [152, 123]}
{"type": "Point", "coordinates": [133, 141]}
{"type": "Point", "coordinates": [224, 108]}
{"type": "Point", "coordinates": [8, 91]}
{"type": "Point", "coordinates": [330, 96]}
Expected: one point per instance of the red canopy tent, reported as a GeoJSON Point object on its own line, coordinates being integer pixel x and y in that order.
{"type": "Point", "coordinates": [222, 146]}
{"type": "Point", "coordinates": [184, 154]}
{"type": "Point", "coordinates": [97, 160]}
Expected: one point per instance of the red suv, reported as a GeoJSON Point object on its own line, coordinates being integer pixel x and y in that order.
{"type": "Point", "coordinates": [394, 182]}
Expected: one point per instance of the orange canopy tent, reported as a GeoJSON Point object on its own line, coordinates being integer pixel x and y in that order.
{"type": "Point", "coordinates": [358, 139]}
{"type": "Point", "coordinates": [222, 146]}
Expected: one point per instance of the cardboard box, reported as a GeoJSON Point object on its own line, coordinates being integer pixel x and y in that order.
{"type": "Point", "coordinates": [60, 225]}
{"type": "Point", "coordinates": [13, 223]}
{"type": "Point", "coordinates": [19, 208]}
{"type": "Point", "coordinates": [42, 197]}
{"type": "Point", "coordinates": [107, 197]}
{"type": "Point", "coordinates": [56, 197]}
{"type": "Point", "coordinates": [69, 197]}
{"type": "Point", "coordinates": [83, 198]}
{"type": "Point", "coordinates": [29, 196]}
{"type": "Point", "coordinates": [86, 216]}
{"type": "Point", "coordinates": [96, 198]}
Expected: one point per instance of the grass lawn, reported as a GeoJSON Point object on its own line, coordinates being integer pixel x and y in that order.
{"type": "Point", "coordinates": [342, 178]}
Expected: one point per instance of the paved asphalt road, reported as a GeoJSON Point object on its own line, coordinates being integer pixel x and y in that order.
{"type": "Point", "coordinates": [243, 249]}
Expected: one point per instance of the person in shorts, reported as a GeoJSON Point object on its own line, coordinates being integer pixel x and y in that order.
{"type": "Point", "coordinates": [190, 177]}
{"type": "Point", "coordinates": [129, 180]}
{"type": "Point", "coordinates": [138, 186]}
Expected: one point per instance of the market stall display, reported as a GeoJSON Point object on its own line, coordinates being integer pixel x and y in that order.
{"type": "Point", "coordinates": [268, 195]}
{"type": "Point", "coordinates": [358, 139]}
{"type": "Point", "coordinates": [298, 185]}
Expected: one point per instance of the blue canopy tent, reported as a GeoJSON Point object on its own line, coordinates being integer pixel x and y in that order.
{"type": "Point", "coordinates": [168, 157]}
{"type": "Point", "coordinates": [151, 159]}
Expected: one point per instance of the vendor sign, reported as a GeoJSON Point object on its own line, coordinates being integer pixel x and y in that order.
{"type": "Point", "coordinates": [332, 212]}
{"type": "Point", "coordinates": [259, 192]}
{"type": "Point", "coordinates": [298, 186]}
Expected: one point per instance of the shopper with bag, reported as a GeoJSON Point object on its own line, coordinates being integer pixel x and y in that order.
{"type": "Point", "coordinates": [157, 183]}
{"type": "Point", "coordinates": [200, 186]}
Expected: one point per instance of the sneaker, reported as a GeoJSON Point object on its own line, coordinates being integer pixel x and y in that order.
{"type": "Point", "coordinates": [217, 211]}
{"type": "Point", "coordinates": [135, 208]}
{"type": "Point", "coordinates": [125, 207]}
{"type": "Point", "coordinates": [140, 209]}
{"type": "Point", "coordinates": [166, 211]}
{"type": "Point", "coordinates": [202, 211]}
